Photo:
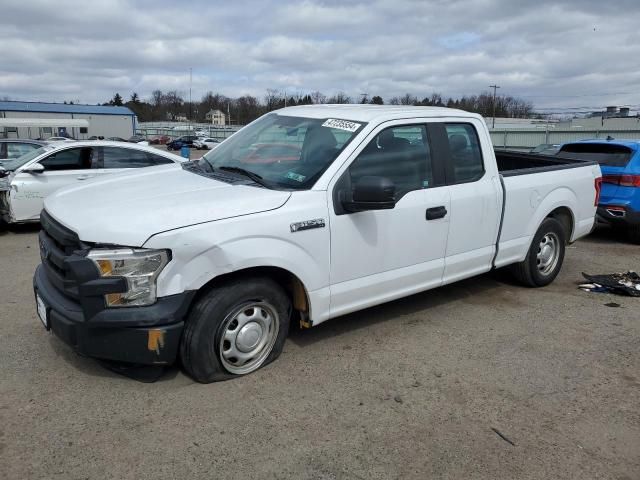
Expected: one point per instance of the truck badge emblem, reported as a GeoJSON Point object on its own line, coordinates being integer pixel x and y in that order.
{"type": "Point", "coordinates": [307, 225]}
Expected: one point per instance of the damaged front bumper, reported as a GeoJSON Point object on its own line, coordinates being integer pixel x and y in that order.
{"type": "Point", "coordinates": [136, 335]}
{"type": "Point", "coordinates": [5, 207]}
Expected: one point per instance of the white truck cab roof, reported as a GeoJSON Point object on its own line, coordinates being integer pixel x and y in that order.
{"type": "Point", "coordinates": [369, 113]}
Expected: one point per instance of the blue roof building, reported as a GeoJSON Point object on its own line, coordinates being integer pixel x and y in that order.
{"type": "Point", "coordinates": [43, 120]}
{"type": "Point", "coordinates": [41, 107]}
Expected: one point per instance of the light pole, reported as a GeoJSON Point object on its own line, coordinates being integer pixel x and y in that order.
{"type": "Point", "coordinates": [495, 87]}
{"type": "Point", "coordinates": [190, 104]}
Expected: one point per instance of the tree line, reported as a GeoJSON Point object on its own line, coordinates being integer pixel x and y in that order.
{"type": "Point", "coordinates": [171, 105]}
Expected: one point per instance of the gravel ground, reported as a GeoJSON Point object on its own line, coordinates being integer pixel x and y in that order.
{"type": "Point", "coordinates": [417, 388]}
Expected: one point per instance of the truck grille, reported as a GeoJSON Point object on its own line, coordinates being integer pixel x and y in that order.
{"type": "Point", "coordinates": [57, 243]}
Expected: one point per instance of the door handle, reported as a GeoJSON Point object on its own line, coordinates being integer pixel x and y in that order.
{"type": "Point", "coordinates": [83, 177]}
{"type": "Point", "coordinates": [436, 212]}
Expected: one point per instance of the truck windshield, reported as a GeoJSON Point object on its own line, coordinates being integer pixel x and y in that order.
{"type": "Point", "coordinates": [285, 152]}
{"type": "Point", "coordinates": [607, 154]}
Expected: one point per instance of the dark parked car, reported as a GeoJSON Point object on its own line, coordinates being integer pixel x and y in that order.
{"type": "Point", "coordinates": [180, 142]}
{"type": "Point", "coordinates": [16, 147]}
{"type": "Point", "coordinates": [546, 149]}
{"type": "Point", "coordinates": [115, 139]}
{"type": "Point", "coordinates": [137, 139]}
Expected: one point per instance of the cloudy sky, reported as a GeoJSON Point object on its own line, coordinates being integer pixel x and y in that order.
{"type": "Point", "coordinates": [558, 54]}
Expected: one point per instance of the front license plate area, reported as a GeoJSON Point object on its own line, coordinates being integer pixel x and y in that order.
{"type": "Point", "coordinates": [43, 311]}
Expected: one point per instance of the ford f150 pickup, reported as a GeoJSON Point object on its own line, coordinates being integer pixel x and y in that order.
{"type": "Point", "coordinates": [209, 261]}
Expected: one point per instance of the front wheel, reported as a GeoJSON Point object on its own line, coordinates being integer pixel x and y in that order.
{"type": "Point", "coordinates": [545, 256]}
{"type": "Point", "coordinates": [235, 329]}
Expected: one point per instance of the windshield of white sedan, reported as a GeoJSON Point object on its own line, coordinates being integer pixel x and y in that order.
{"type": "Point", "coordinates": [283, 152]}
{"type": "Point", "coordinates": [14, 163]}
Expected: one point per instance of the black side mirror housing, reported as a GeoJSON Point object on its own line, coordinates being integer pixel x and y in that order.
{"type": "Point", "coordinates": [371, 193]}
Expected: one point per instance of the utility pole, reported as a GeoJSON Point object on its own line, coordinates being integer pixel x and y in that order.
{"type": "Point", "coordinates": [495, 87]}
{"type": "Point", "coordinates": [364, 97]}
{"type": "Point", "coordinates": [190, 104]}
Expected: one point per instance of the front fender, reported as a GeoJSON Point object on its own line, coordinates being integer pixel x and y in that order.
{"type": "Point", "coordinates": [231, 256]}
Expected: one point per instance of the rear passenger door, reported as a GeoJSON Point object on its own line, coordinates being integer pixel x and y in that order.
{"type": "Point", "coordinates": [378, 255]}
{"type": "Point", "coordinates": [475, 200]}
{"type": "Point", "coordinates": [118, 159]}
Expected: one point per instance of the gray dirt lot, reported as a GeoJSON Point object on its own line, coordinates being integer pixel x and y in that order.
{"type": "Point", "coordinates": [411, 389]}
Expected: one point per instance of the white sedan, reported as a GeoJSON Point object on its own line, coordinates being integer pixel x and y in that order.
{"type": "Point", "coordinates": [27, 180]}
{"type": "Point", "coordinates": [206, 143]}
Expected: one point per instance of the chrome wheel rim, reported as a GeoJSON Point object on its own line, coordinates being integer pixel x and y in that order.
{"type": "Point", "coordinates": [548, 253]}
{"type": "Point", "coordinates": [248, 336]}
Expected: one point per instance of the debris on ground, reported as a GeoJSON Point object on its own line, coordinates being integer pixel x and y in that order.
{"type": "Point", "coordinates": [619, 283]}
{"type": "Point", "coordinates": [502, 436]}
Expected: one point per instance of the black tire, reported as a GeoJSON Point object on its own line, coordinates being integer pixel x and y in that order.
{"type": "Point", "coordinates": [528, 272]}
{"type": "Point", "coordinates": [633, 234]}
{"type": "Point", "coordinates": [212, 315]}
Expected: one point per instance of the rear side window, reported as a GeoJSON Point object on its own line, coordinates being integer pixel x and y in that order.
{"type": "Point", "coordinates": [603, 153]}
{"type": "Point", "coordinates": [466, 157]}
{"type": "Point", "coordinates": [70, 159]}
{"type": "Point", "coordinates": [115, 157]}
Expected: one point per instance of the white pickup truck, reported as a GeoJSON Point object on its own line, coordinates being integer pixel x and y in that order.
{"type": "Point", "coordinates": [344, 208]}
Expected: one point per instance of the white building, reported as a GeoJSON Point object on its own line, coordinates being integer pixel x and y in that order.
{"type": "Point", "coordinates": [43, 120]}
{"type": "Point", "coordinates": [216, 117]}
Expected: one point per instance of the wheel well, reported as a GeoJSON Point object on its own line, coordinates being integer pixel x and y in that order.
{"type": "Point", "coordinates": [289, 282]}
{"type": "Point", "coordinates": [565, 217]}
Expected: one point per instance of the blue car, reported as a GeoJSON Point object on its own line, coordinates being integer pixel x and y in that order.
{"type": "Point", "coordinates": [619, 204]}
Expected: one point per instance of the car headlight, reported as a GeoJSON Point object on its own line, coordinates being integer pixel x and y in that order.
{"type": "Point", "coordinates": [139, 267]}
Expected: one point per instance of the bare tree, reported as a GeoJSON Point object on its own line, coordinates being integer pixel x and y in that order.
{"type": "Point", "coordinates": [318, 97]}
{"type": "Point", "coordinates": [408, 99]}
{"type": "Point", "coordinates": [339, 97]}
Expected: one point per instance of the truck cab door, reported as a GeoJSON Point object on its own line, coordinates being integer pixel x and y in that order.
{"type": "Point", "coordinates": [476, 199]}
{"type": "Point", "coordinates": [62, 167]}
{"type": "Point", "coordinates": [379, 255]}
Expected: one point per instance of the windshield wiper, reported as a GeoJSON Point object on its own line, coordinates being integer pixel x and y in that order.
{"type": "Point", "coordinates": [247, 173]}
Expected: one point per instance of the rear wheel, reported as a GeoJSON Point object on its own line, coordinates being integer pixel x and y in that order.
{"type": "Point", "coordinates": [235, 329]}
{"type": "Point", "coordinates": [545, 256]}
{"type": "Point", "coordinates": [633, 234]}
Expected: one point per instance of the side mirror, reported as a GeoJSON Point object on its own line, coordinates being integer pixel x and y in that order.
{"type": "Point", "coordinates": [371, 193]}
{"type": "Point", "coordinates": [34, 168]}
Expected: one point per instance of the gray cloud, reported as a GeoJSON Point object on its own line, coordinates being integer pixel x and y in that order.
{"type": "Point", "coordinates": [555, 53]}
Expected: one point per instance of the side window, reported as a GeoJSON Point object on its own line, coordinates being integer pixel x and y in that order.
{"type": "Point", "coordinates": [157, 160]}
{"type": "Point", "coordinates": [466, 157]}
{"type": "Point", "coordinates": [15, 150]}
{"type": "Point", "coordinates": [400, 154]}
{"type": "Point", "coordinates": [115, 157]}
{"type": "Point", "coordinates": [70, 159]}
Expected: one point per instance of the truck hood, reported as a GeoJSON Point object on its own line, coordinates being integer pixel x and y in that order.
{"type": "Point", "coordinates": [128, 208]}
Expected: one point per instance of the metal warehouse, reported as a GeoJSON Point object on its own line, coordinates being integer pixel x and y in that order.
{"type": "Point", "coordinates": [43, 120]}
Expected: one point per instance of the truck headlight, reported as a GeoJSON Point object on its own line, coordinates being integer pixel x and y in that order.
{"type": "Point", "coordinates": [140, 267]}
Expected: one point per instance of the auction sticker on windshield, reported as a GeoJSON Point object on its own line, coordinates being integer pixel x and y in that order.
{"type": "Point", "coordinates": [341, 124]}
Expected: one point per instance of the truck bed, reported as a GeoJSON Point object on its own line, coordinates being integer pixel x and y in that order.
{"type": "Point", "coordinates": [535, 185]}
{"type": "Point", "coordinates": [511, 163]}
